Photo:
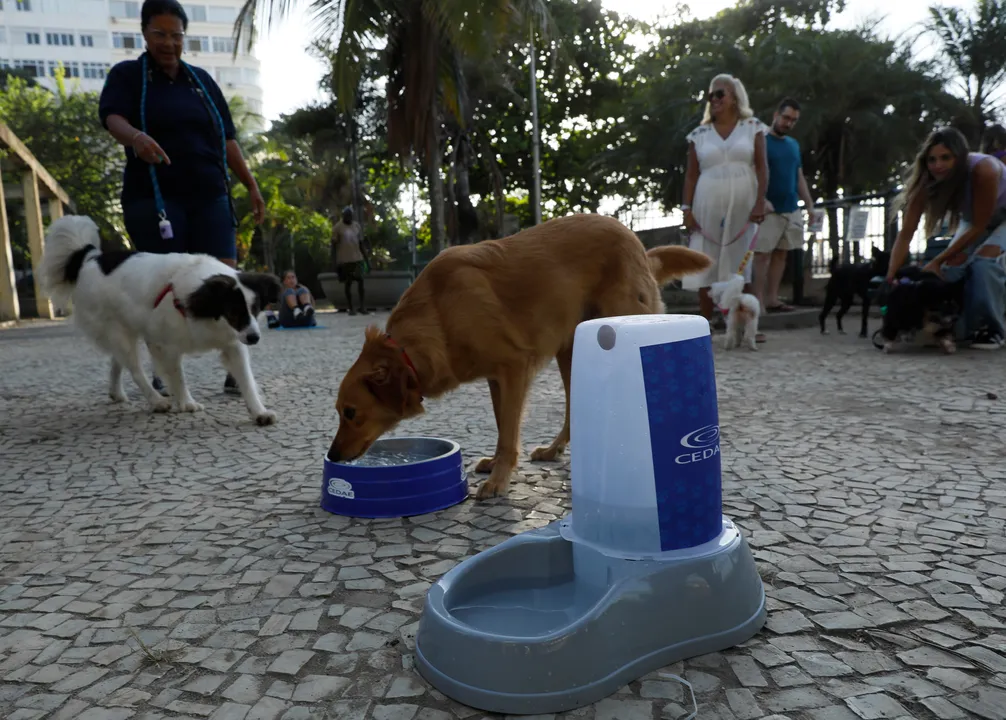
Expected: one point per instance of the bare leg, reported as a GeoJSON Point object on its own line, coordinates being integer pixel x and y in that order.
{"type": "Point", "coordinates": [761, 279]}
{"type": "Point", "coordinates": [776, 269]}
{"type": "Point", "coordinates": [706, 307]}
{"type": "Point", "coordinates": [235, 360]}
{"type": "Point", "coordinates": [513, 393]}
{"type": "Point", "coordinates": [564, 359]}
{"type": "Point", "coordinates": [485, 465]}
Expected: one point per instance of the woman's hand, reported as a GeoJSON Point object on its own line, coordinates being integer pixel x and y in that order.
{"type": "Point", "coordinates": [257, 203]}
{"type": "Point", "coordinates": [690, 223]}
{"type": "Point", "coordinates": [147, 149]}
{"type": "Point", "coordinates": [758, 212]}
{"type": "Point", "coordinates": [933, 266]}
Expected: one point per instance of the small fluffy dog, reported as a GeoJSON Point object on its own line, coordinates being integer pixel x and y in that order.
{"type": "Point", "coordinates": [921, 302]}
{"type": "Point", "coordinates": [848, 281]}
{"type": "Point", "coordinates": [743, 311]}
{"type": "Point", "coordinates": [178, 304]}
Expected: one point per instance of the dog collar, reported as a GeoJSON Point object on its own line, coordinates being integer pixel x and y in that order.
{"type": "Point", "coordinates": [170, 288]}
{"type": "Point", "coordinates": [406, 358]}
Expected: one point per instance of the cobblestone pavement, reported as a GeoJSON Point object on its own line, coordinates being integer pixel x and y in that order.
{"type": "Point", "coordinates": [179, 566]}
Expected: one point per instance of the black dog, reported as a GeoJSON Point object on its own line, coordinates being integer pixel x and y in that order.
{"type": "Point", "coordinates": [847, 282]}
{"type": "Point", "coordinates": [921, 301]}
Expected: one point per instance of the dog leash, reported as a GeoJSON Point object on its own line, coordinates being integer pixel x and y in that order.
{"type": "Point", "coordinates": [170, 288]}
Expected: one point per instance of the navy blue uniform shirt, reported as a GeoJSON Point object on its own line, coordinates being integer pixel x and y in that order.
{"type": "Point", "coordinates": [181, 123]}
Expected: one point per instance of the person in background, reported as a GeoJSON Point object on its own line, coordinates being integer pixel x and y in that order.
{"type": "Point", "coordinates": [296, 306]}
{"type": "Point", "coordinates": [994, 142]}
{"type": "Point", "coordinates": [180, 141]}
{"type": "Point", "coordinates": [725, 184]}
{"type": "Point", "coordinates": [971, 187]}
{"type": "Point", "coordinates": [348, 251]}
{"type": "Point", "coordinates": [782, 229]}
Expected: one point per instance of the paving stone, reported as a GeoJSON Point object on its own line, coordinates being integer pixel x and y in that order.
{"type": "Point", "coordinates": [290, 662]}
{"type": "Point", "coordinates": [315, 688]}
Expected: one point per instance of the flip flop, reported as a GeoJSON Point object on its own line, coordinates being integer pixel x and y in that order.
{"type": "Point", "coordinates": [780, 308]}
{"type": "Point", "coordinates": [760, 338]}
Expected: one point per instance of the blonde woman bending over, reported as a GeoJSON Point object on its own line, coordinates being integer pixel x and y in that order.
{"type": "Point", "coordinates": [725, 184]}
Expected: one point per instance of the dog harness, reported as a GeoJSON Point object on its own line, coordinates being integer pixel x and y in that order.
{"type": "Point", "coordinates": [170, 288]}
{"type": "Point", "coordinates": [406, 358]}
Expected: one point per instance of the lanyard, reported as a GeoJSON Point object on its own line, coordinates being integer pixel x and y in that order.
{"type": "Point", "coordinates": [214, 112]}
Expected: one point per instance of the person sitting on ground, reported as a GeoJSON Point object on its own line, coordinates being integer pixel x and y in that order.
{"type": "Point", "coordinates": [296, 306]}
{"type": "Point", "coordinates": [971, 187]}
{"type": "Point", "coordinates": [348, 252]}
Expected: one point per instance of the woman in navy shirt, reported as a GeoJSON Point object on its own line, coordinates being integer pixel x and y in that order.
{"type": "Point", "coordinates": [180, 139]}
{"type": "Point", "coordinates": [178, 134]}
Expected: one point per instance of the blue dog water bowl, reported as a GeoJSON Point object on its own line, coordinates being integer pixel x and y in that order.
{"type": "Point", "coordinates": [427, 476]}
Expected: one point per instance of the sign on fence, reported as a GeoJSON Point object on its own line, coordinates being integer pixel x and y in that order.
{"type": "Point", "coordinates": [858, 220]}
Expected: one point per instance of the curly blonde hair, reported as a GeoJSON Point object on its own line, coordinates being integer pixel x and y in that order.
{"type": "Point", "coordinates": [740, 94]}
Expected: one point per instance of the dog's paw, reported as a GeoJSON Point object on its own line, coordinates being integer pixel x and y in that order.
{"type": "Point", "coordinates": [545, 453]}
{"type": "Point", "coordinates": [189, 407]}
{"type": "Point", "coordinates": [841, 332]}
{"type": "Point", "coordinates": [485, 465]}
{"type": "Point", "coordinates": [862, 335]}
{"type": "Point", "coordinates": [888, 347]}
{"type": "Point", "coordinates": [490, 489]}
{"type": "Point", "coordinates": [825, 332]}
{"type": "Point", "coordinates": [161, 406]}
{"type": "Point", "coordinates": [266, 418]}
{"type": "Point", "coordinates": [117, 397]}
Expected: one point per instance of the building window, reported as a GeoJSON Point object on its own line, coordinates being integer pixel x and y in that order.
{"type": "Point", "coordinates": [87, 41]}
{"type": "Point", "coordinates": [221, 14]}
{"type": "Point", "coordinates": [223, 45]}
{"type": "Point", "coordinates": [94, 71]}
{"type": "Point", "coordinates": [196, 13]}
{"type": "Point", "coordinates": [32, 68]}
{"type": "Point", "coordinates": [59, 39]}
{"type": "Point", "coordinates": [120, 9]}
{"type": "Point", "coordinates": [127, 41]}
{"type": "Point", "coordinates": [22, 5]}
{"type": "Point", "coordinates": [197, 43]}
{"type": "Point", "coordinates": [33, 38]}
{"type": "Point", "coordinates": [3, 30]}
{"type": "Point", "coordinates": [70, 69]}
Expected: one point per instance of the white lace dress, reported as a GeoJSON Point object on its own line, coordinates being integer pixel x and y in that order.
{"type": "Point", "coordinates": [724, 197]}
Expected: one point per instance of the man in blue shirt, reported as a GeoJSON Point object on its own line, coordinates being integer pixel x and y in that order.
{"type": "Point", "coordinates": [782, 229]}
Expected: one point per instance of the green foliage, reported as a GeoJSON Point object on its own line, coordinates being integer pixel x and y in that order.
{"type": "Point", "coordinates": [62, 131]}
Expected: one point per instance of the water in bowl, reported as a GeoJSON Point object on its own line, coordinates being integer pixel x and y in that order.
{"type": "Point", "coordinates": [383, 457]}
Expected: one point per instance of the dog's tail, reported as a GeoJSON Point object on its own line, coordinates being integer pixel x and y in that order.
{"type": "Point", "coordinates": [69, 242]}
{"type": "Point", "coordinates": [674, 261]}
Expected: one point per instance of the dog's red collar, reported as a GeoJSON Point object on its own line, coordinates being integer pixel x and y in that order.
{"type": "Point", "coordinates": [406, 358]}
{"type": "Point", "coordinates": [170, 288]}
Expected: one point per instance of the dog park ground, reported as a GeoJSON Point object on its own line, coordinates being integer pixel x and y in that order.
{"type": "Point", "coordinates": [179, 566]}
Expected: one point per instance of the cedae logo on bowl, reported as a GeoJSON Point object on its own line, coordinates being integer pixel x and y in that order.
{"type": "Point", "coordinates": [340, 488]}
{"type": "Point", "coordinates": [701, 444]}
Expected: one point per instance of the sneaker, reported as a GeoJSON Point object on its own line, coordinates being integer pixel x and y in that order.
{"type": "Point", "coordinates": [159, 386]}
{"type": "Point", "coordinates": [231, 385]}
{"type": "Point", "coordinates": [986, 340]}
{"type": "Point", "coordinates": [352, 312]}
{"type": "Point", "coordinates": [364, 311]}
{"type": "Point", "coordinates": [308, 311]}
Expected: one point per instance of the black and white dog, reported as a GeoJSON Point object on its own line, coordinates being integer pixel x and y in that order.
{"type": "Point", "coordinates": [178, 304]}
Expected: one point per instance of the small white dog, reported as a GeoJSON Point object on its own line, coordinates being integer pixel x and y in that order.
{"type": "Point", "coordinates": [743, 311]}
{"type": "Point", "coordinates": [178, 304]}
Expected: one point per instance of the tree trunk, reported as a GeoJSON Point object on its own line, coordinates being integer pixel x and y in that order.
{"type": "Point", "coordinates": [434, 161]}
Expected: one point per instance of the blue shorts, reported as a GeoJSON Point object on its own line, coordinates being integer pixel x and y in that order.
{"type": "Point", "coordinates": [198, 227]}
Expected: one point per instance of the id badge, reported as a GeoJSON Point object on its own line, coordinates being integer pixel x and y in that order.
{"type": "Point", "coordinates": [165, 228]}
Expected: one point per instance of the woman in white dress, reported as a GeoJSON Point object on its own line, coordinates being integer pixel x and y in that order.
{"type": "Point", "coordinates": [724, 198]}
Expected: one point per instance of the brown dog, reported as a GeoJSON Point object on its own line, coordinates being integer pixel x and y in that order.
{"type": "Point", "coordinates": [501, 310]}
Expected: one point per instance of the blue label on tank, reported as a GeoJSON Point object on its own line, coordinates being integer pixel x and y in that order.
{"type": "Point", "coordinates": [684, 424]}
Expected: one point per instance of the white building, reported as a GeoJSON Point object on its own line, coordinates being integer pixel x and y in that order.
{"type": "Point", "coordinates": [89, 36]}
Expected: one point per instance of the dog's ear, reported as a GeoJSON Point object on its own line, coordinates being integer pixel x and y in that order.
{"type": "Point", "coordinates": [209, 301]}
{"type": "Point", "coordinates": [265, 285]}
{"type": "Point", "coordinates": [394, 384]}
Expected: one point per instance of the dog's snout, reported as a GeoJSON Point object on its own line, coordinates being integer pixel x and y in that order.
{"type": "Point", "coordinates": [333, 452]}
{"type": "Point", "coordinates": [252, 338]}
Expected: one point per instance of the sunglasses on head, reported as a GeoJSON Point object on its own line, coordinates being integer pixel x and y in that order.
{"type": "Point", "coordinates": [718, 94]}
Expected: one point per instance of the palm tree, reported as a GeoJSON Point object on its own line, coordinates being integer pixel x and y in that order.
{"type": "Point", "coordinates": [423, 42]}
{"type": "Point", "coordinates": [973, 49]}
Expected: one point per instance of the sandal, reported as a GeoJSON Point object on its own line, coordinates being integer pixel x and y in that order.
{"type": "Point", "coordinates": [780, 308]}
{"type": "Point", "coordinates": [760, 338]}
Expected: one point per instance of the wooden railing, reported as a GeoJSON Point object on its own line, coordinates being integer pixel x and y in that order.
{"type": "Point", "coordinates": [37, 185]}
